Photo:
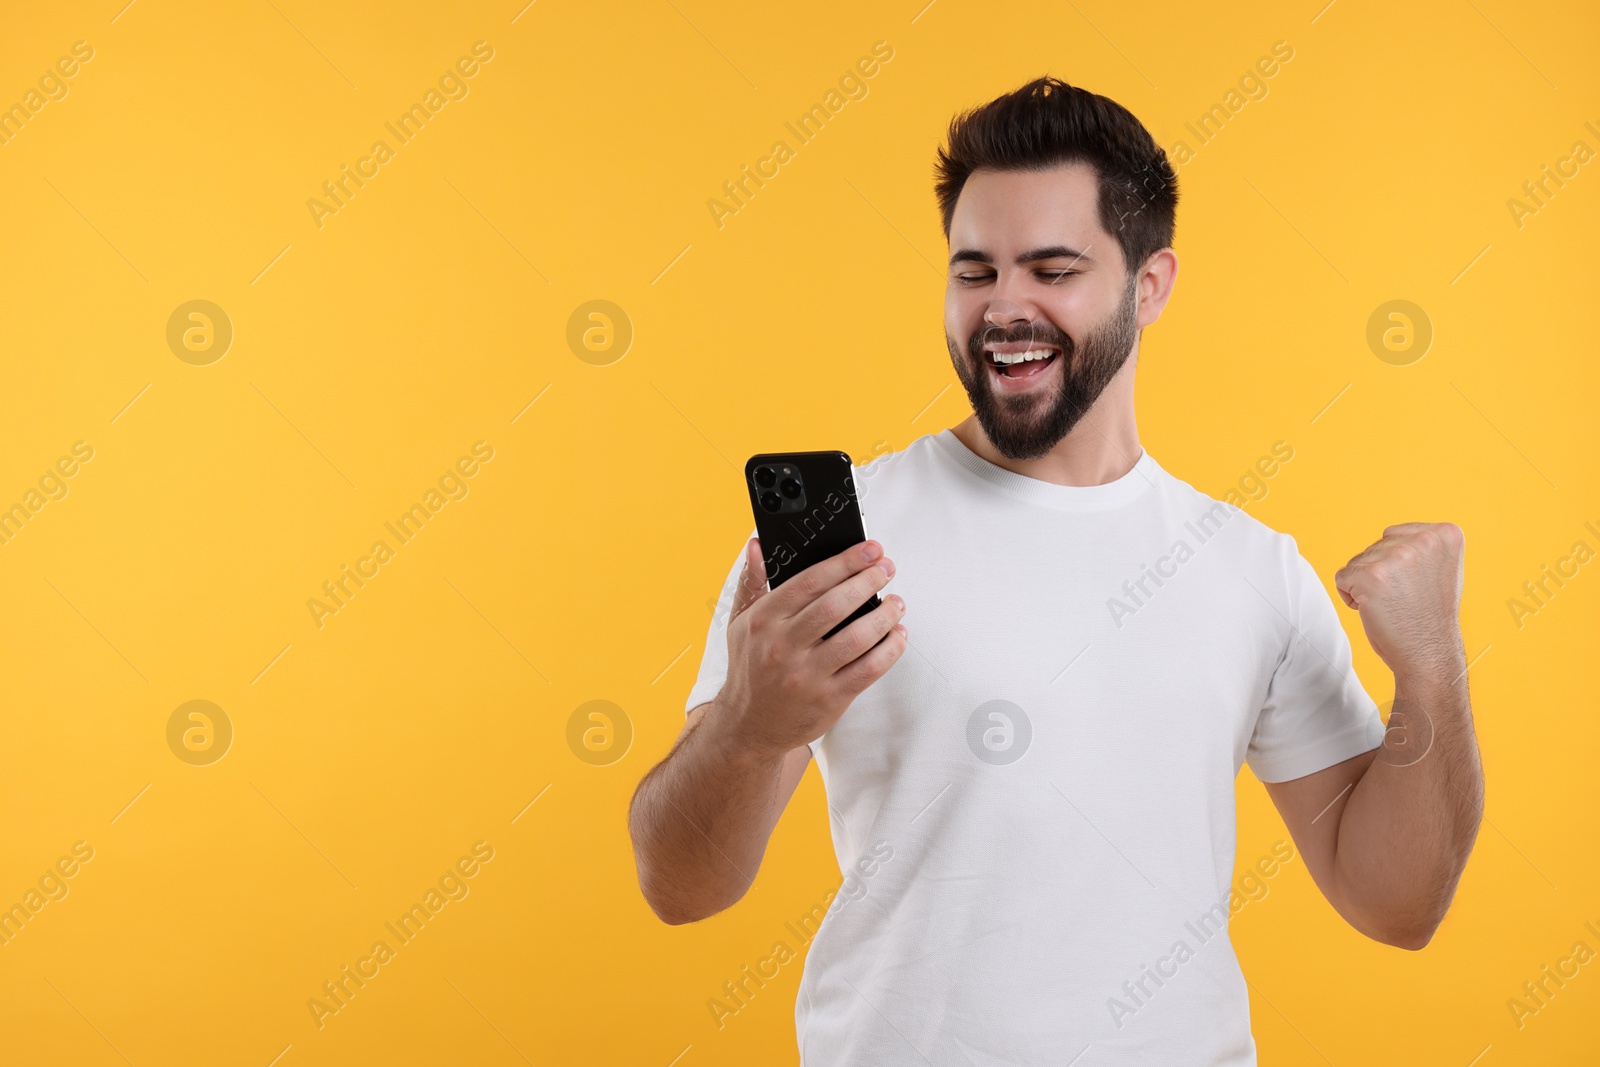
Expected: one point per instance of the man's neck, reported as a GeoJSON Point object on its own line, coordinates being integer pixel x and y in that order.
{"type": "Point", "coordinates": [1101, 448]}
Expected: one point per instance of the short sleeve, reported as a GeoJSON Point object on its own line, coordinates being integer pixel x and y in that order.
{"type": "Point", "coordinates": [1316, 712]}
{"type": "Point", "coordinates": [714, 660]}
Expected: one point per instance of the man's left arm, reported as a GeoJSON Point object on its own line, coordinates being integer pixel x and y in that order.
{"type": "Point", "coordinates": [1387, 833]}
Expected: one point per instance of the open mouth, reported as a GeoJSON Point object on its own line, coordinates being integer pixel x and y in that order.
{"type": "Point", "coordinates": [1026, 363]}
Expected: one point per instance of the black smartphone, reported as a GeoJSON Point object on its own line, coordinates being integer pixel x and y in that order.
{"type": "Point", "coordinates": [806, 511]}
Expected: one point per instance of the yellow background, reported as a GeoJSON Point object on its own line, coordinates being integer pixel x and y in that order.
{"type": "Point", "coordinates": [370, 353]}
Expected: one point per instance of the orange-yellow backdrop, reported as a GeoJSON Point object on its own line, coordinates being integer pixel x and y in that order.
{"type": "Point", "coordinates": [377, 339]}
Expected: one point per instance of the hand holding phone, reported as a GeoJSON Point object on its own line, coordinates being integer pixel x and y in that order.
{"type": "Point", "coordinates": [806, 511]}
{"type": "Point", "coordinates": [807, 631]}
{"type": "Point", "coordinates": [786, 686]}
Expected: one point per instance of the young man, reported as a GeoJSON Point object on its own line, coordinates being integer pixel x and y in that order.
{"type": "Point", "coordinates": [1033, 797]}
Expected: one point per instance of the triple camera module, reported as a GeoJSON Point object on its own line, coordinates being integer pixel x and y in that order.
{"type": "Point", "coordinates": [779, 489]}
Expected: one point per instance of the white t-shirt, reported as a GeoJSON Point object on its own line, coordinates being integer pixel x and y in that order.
{"type": "Point", "coordinates": [1035, 805]}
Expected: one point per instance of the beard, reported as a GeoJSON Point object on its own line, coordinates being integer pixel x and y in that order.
{"type": "Point", "coordinates": [1027, 426]}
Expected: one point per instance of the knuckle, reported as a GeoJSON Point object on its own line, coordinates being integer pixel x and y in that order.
{"type": "Point", "coordinates": [848, 595]}
{"type": "Point", "coordinates": [822, 576]}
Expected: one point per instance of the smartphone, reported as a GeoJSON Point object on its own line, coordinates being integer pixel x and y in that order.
{"type": "Point", "coordinates": [806, 511]}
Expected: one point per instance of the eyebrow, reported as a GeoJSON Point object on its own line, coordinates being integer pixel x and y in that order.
{"type": "Point", "coordinates": [974, 255]}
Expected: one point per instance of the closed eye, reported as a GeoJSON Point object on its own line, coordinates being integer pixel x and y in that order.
{"type": "Point", "coordinates": [1051, 277]}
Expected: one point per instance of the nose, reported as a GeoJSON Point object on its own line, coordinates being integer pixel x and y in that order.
{"type": "Point", "coordinates": [1002, 313]}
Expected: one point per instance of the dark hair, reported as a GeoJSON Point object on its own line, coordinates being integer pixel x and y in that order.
{"type": "Point", "coordinates": [1047, 123]}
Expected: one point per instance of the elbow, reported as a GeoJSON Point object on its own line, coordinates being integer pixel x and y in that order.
{"type": "Point", "coordinates": [1399, 926]}
{"type": "Point", "coordinates": [669, 906]}
{"type": "Point", "coordinates": [1412, 940]}
{"type": "Point", "coordinates": [669, 914]}
{"type": "Point", "coordinates": [1412, 928]}
{"type": "Point", "coordinates": [676, 907]}
{"type": "Point", "coordinates": [1412, 935]}
{"type": "Point", "coordinates": [671, 911]}
{"type": "Point", "coordinates": [679, 905]}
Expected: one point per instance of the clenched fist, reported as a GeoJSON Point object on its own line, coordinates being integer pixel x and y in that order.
{"type": "Point", "coordinates": [1407, 587]}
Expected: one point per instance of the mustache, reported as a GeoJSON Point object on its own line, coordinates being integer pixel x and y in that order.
{"type": "Point", "coordinates": [1043, 333]}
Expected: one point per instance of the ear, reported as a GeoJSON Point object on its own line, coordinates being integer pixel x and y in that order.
{"type": "Point", "coordinates": [1158, 276]}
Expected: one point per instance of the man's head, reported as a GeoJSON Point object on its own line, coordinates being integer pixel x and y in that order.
{"type": "Point", "coordinates": [1059, 210]}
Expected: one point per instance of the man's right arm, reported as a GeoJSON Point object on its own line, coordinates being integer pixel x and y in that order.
{"type": "Point", "coordinates": [701, 818]}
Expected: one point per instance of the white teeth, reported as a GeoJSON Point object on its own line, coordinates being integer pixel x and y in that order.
{"type": "Point", "coordinates": [1007, 358]}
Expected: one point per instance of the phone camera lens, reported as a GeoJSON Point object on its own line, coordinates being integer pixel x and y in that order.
{"type": "Point", "coordinates": [765, 477]}
{"type": "Point", "coordinates": [770, 501]}
{"type": "Point", "coordinates": [789, 488]}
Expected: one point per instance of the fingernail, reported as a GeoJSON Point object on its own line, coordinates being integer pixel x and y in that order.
{"type": "Point", "coordinates": [902, 630]}
{"type": "Point", "coordinates": [887, 566]}
{"type": "Point", "coordinates": [899, 601]}
{"type": "Point", "coordinates": [871, 551]}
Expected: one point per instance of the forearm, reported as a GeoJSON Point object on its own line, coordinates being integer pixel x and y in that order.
{"type": "Point", "coordinates": [1411, 820]}
{"type": "Point", "coordinates": [700, 821]}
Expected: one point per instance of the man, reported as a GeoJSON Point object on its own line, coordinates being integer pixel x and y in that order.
{"type": "Point", "coordinates": [1033, 796]}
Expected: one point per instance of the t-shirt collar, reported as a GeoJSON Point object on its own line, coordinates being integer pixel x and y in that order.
{"type": "Point", "coordinates": [1139, 478]}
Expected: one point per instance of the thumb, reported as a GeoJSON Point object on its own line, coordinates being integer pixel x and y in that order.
{"type": "Point", "coordinates": [752, 579]}
{"type": "Point", "coordinates": [1348, 582]}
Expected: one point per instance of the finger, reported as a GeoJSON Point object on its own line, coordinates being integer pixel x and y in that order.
{"type": "Point", "coordinates": [871, 666]}
{"type": "Point", "coordinates": [1403, 528]}
{"type": "Point", "coordinates": [855, 640]}
{"type": "Point", "coordinates": [752, 584]}
{"type": "Point", "coordinates": [794, 595]}
{"type": "Point", "coordinates": [1350, 581]}
{"type": "Point", "coordinates": [834, 606]}
{"type": "Point", "coordinates": [1375, 551]}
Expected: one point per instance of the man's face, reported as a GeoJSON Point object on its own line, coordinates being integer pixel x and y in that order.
{"type": "Point", "coordinates": [1033, 271]}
